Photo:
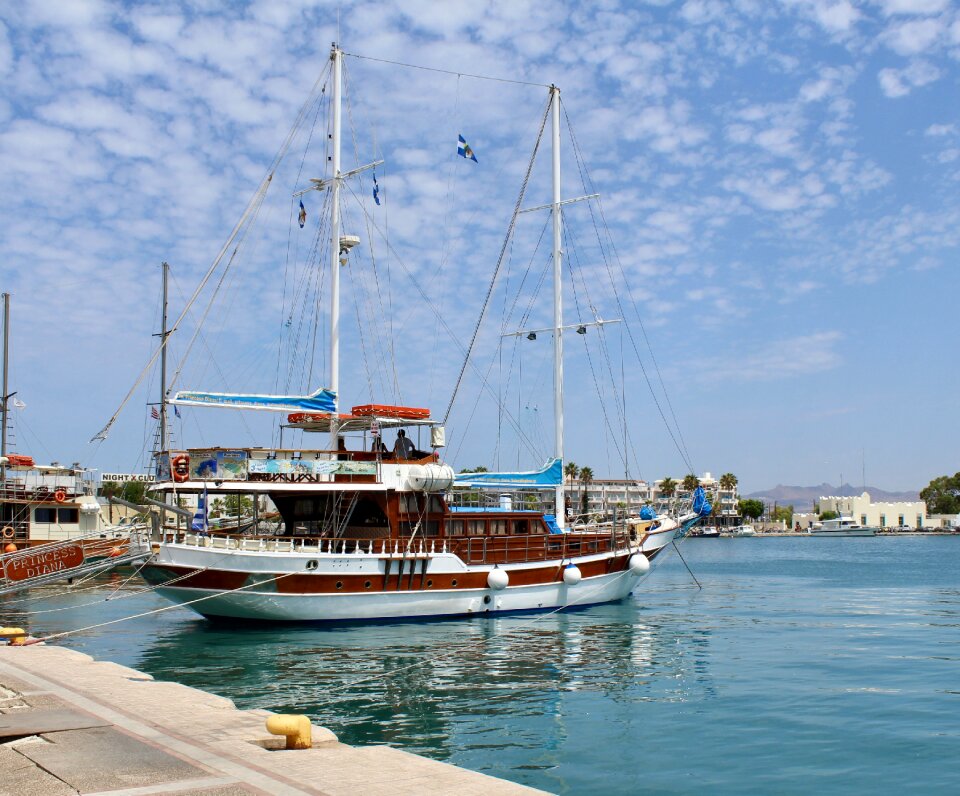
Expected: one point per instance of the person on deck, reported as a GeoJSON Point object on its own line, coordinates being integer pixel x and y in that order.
{"type": "Point", "coordinates": [378, 446]}
{"type": "Point", "coordinates": [403, 447]}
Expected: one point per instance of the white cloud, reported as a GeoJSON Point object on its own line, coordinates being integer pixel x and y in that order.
{"type": "Point", "coordinates": [914, 7]}
{"type": "Point", "coordinates": [938, 130]}
{"type": "Point", "coordinates": [786, 358]}
{"type": "Point", "coordinates": [900, 82]}
{"type": "Point", "coordinates": [915, 37]}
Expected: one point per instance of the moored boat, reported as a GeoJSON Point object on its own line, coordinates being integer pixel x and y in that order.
{"type": "Point", "coordinates": [366, 531]}
{"type": "Point", "coordinates": [841, 526]}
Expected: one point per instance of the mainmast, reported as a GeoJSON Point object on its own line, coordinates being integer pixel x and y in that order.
{"type": "Point", "coordinates": [5, 396]}
{"type": "Point", "coordinates": [163, 362]}
{"type": "Point", "coordinates": [557, 307]}
{"type": "Point", "coordinates": [336, 55]}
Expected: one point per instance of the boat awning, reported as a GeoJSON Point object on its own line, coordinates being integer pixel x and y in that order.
{"type": "Point", "coordinates": [322, 400]}
{"type": "Point", "coordinates": [550, 475]}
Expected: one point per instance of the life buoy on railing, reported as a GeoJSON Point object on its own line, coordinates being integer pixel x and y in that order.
{"type": "Point", "coordinates": [180, 468]}
{"type": "Point", "coordinates": [59, 496]}
{"type": "Point", "coordinates": [8, 532]}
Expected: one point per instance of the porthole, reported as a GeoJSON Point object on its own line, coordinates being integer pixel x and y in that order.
{"type": "Point", "coordinates": [313, 563]}
{"type": "Point", "coordinates": [339, 584]}
{"type": "Point", "coordinates": [429, 583]}
{"type": "Point", "coordinates": [486, 599]}
{"type": "Point", "coordinates": [366, 584]}
{"type": "Point", "coordinates": [453, 583]}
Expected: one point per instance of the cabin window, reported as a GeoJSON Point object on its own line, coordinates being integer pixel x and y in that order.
{"type": "Point", "coordinates": [68, 515]}
{"type": "Point", "coordinates": [45, 515]}
{"type": "Point", "coordinates": [521, 527]}
{"type": "Point", "coordinates": [476, 527]}
{"type": "Point", "coordinates": [454, 527]}
{"type": "Point", "coordinates": [432, 528]}
{"type": "Point", "coordinates": [498, 527]}
{"type": "Point", "coordinates": [436, 504]}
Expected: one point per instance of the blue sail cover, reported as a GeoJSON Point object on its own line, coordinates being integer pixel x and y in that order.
{"type": "Point", "coordinates": [321, 401]}
{"type": "Point", "coordinates": [550, 476]}
{"type": "Point", "coordinates": [700, 503]}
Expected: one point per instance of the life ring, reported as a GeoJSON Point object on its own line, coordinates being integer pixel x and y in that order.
{"type": "Point", "coordinates": [59, 496]}
{"type": "Point", "coordinates": [8, 532]}
{"type": "Point", "coordinates": [180, 468]}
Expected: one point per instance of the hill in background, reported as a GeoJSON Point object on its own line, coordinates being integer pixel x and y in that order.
{"type": "Point", "coordinates": [803, 497]}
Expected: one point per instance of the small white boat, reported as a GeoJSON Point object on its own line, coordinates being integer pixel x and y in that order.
{"type": "Point", "coordinates": [841, 526]}
{"type": "Point", "coordinates": [743, 530]}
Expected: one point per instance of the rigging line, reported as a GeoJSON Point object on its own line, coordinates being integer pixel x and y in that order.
{"type": "Point", "coordinates": [586, 180]}
{"type": "Point", "coordinates": [451, 335]}
{"type": "Point", "coordinates": [677, 548]}
{"type": "Point", "coordinates": [446, 71]}
{"type": "Point", "coordinates": [380, 360]}
{"type": "Point", "coordinates": [503, 249]}
{"type": "Point", "coordinates": [218, 593]}
{"type": "Point", "coordinates": [261, 191]}
{"type": "Point", "coordinates": [293, 206]}
{"type": "Point", "coordinates": [596, 382]}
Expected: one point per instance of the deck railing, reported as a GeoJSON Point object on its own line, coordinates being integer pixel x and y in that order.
{"type": "Point", "coordinates": [470, 549]}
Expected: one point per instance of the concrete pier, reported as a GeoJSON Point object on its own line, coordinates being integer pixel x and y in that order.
{"type": "Point", "coordinates": [70, 724]}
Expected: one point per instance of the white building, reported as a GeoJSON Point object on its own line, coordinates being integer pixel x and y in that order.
{"type": "Point", "coordinates": [902, 514]}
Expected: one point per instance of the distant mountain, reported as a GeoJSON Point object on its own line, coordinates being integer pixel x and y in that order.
{"type": "Point", "coordinates": [803, 497]}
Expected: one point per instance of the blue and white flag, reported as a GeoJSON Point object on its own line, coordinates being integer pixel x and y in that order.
{"type": "Point", "coordinates": [376, 189]}
{"type": "Point", "coordinates": [176, 411]}
{"type": "Point", "coordinates": [464, 151]}
{"type": "Point", "coordinates": [303, 214]}
{"type": "Point", "coordinates": [199, 521]}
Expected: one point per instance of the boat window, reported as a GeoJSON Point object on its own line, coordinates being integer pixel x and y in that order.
{"type": "Point", "coordinates": [521, 527]}
{"type": "Point", "coordinates": [454, 527]}
{"type": "Point", "coordinates": [408, 503]}
{"type": "Point", "coordinates": [432, 528]}
{"type": "Point", "coordinates": [436, 504]}
{"type": "Point", "coordinates": [498, 527]}
{"type": "Point", "coordinates": [476, 527]}
{"type": "Point", "coordinates": [45, 515]}
{"type": "Point", "coordinates": [68, 515]}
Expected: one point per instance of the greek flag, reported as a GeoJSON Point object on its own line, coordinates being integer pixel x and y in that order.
{"type": "Point", "coordinates": [376, 189]}
{"type": "Point", "coordinates": [464, 151]}
{"type": "Point", "coordinates": [303, 214]}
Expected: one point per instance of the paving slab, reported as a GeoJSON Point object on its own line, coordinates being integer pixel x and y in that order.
{"type": "Point", "coordinates": [21, 776]}
{"type": "Point", "coordinates": [103, 758]}
{"type": "Point", "coordinates": [35, 722]}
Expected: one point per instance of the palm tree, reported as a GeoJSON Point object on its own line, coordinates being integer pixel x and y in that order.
{"type": "Point", "coordinates": [668, 487]}
{"type": "Point", "coordinates": [690, 482]}
{"type": "Point", "coordinates": [571, 471]}
{"type": "Point", "coordinates": [586, 476]}
{"type": "Point", "coordinates": [728, 482]}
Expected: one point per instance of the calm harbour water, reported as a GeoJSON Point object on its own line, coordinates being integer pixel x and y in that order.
{"type": "Point", "coordinates": [803, 665]}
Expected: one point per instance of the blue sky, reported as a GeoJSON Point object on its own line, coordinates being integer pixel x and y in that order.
{"type": "Point", "coordinates": [779, 178]}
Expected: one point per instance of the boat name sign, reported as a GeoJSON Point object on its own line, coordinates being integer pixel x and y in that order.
{"type": "Point", "coordinates": [36, 564]}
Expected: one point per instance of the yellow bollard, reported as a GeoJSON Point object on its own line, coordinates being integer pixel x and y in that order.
{"type": "Point", "coordinates": [295, 728]}
{"type": "Point", "coordinates": [15, 635]}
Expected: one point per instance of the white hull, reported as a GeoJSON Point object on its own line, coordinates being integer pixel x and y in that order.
{"type": "Point", "coordinates": [847, 532]}
{"type": "Point", "coordinates": [262, 606]}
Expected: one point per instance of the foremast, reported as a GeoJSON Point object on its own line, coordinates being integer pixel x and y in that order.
{"type": "Point", "coordinates": [336, 56]}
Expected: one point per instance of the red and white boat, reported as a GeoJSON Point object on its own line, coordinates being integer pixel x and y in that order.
{"type": "Point", "coordinates": [365, 534]}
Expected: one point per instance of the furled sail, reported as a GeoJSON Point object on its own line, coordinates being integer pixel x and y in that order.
{"type": "Point", "coordinates": [322, 400]}
{"type": "Point", "coordinates": [550, 475]}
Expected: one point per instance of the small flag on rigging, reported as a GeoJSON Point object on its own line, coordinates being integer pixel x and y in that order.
{"type": "Point", "coordinates": [376, 189]}
{"type": "Point", "coordinates": [176, 410]}
{"type": "Point", "coordinates": [154, 413]}
{"type": "Point", "coordinates": [464, 151]}
{"type": "Point", "coordinates": [303, 214]}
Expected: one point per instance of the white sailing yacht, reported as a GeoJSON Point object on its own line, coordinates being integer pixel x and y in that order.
{"type": "Point", "coordinates": [369, 534]}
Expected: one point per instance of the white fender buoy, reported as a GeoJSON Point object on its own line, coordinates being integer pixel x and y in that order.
{"type": "Point", "coordinates": [572, 575]}
{"type": "Point", "coordinates": [498, 578]}
{"type": "Point", "coordinates": [639, 564]}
